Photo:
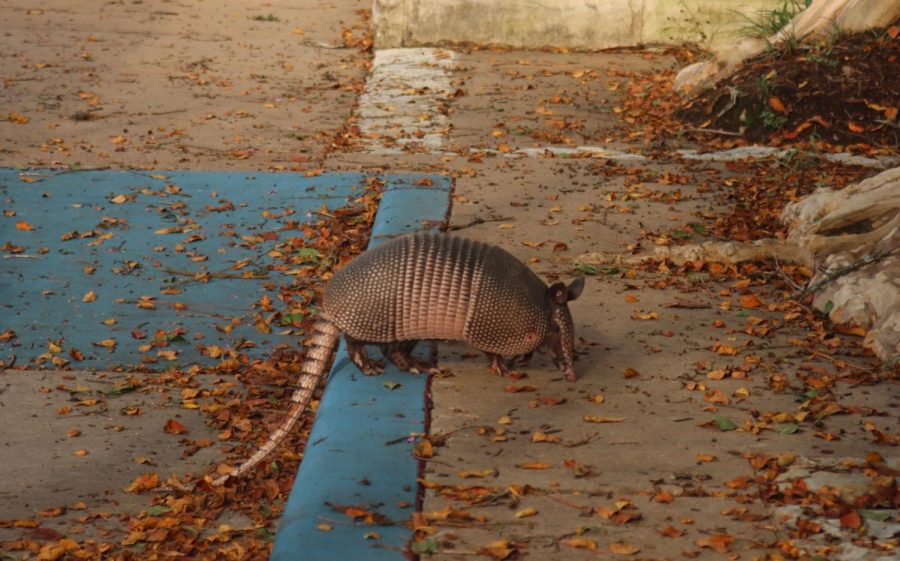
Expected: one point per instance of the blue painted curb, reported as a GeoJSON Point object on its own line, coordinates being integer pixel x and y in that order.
{"type": "Point", "coordinates": [357, 453]}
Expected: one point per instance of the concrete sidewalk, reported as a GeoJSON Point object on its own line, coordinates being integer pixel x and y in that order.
{"type": "Point", "coordinates": [631, 458]}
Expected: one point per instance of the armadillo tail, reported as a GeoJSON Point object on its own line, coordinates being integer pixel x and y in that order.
{"type": "Point", "coordinates": [324, 341]}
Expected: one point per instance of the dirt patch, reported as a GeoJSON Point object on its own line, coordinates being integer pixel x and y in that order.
{"type": "Point", "coordinates": [835, 92]}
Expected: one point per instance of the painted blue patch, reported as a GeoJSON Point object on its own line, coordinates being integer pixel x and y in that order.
{"type": "Point", "coordinates": [358, 453]}
{"type": "Point", "coordinates": [104, 231]}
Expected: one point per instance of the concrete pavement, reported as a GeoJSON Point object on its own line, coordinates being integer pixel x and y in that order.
{"type": "Point", "coordinates": [519, 465]}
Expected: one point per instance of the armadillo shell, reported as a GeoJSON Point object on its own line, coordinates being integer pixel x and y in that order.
{"type": "Point", "coordinates": [436, 286]}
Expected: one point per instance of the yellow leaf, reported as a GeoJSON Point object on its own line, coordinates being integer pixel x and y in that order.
{"type": "Point", "coordinates": [89, 297]}
{"type": "Point", "coordinates": [580, 543]}
{"type": "Point", "coordinates": [118, 199]}
{"type": "Point", "coordinates": [645, 317]}
{"type": "Point", "coordinates": [526, 512]}
{"type": "Point", "coordinates": [145, 482]}
{"type": "Point", "coordinates": [118, 139]}
{"type": "Point", "coordinates": [477, 473]}
{"type": "Point", "coordinates": [534, 465]}
{"type": "Point", "coordinates": [599, 419]}
{"type": "Point", "coordinates": [598, 399]}
{"type": "Point", "coordinates": [623, 548]}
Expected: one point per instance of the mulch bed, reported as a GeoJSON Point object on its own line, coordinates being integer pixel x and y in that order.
{"type": "Point", "coordinates": [843, 92]}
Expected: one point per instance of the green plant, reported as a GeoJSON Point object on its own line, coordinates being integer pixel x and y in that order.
{"type": "Point", "coordinates": [270, 17]}
{"type": "Point", "coordinates": [768, 22]}
{"type": "Point", "coordinates": [770, 120]}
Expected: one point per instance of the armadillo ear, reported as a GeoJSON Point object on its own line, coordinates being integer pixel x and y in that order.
{"type": "Point", "coordinates": [559, 292]}
{"type": "Point", "coordinates": [575, 288]}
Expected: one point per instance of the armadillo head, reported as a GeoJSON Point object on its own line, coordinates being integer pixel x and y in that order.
{"type": "Point", "coordinates": [561, 338]}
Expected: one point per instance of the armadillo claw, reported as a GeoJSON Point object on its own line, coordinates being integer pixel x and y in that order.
{"type": "Point", "coordinates": [499, 366]}
{"type": "Point", "coordinates": [372, 367]}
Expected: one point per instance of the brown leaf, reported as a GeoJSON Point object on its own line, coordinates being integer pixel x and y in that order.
{"type": "Point", "coordinates": [621, 548]}
{"type": "Point", "coordinates": [851, 520]}
{"type": "Point", "coordinates": [501, 549]}
{"type": "Point", "coordinates": [581, 543]}
{"type": "Point", "coordinates": [174, 427]}
{"type": "Point", "coordinates": [776, 105]}
{"type": "Point", "coordinates": [717, 542]}
{"type": "Point", "coordinates": [671, 532]}
{"type": "Point", "coordinates": [534, 465]}
{"type": "Point", "coordinates": [145, 482]}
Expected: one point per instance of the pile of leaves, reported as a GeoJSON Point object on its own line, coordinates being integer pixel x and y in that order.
{"type": "Point", "coordinates": [841, 91]}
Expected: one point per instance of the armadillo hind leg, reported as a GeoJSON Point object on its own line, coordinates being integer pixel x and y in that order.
{"type": "Point", "coordinates": [356, 350]}
{"type": "Point", "coordinates": [401, 355]}
{"type": "Point", "coordinates": [499, 364]}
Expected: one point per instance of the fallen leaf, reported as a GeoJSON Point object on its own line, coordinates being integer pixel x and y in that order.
{"type": "Point", "coordinates": [717, 542]}
{"type": "Point", "coordinates": [145, 482]}
{"type": "Point", "coordinates": [534, 465]}
{"type": "Point", "coordinates": [601, 419]}
{"type": "Point", "coordinates": [174, 427]}
{"type": "Point", "coordinates": [581, 543]}
{"type": "Point", "coordinates": [621, 548]}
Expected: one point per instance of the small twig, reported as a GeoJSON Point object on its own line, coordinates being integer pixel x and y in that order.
{"type": "Point", "coordinates": [478, 220]}
{"type": "Point", "coordinates": [888, 123]}
{"type": "Point", "coordinates": [197, 275]}
{"type": "Point", "coordinates": [832, 359]}
{"type": "Point", "coordinates": [583, 441]}
{"type": "Point", "coordinates": [714, 131]}
{"type": "Point", "coordinates": [173, 111]}
{"type": "Point", "coordinates": [22, 256]}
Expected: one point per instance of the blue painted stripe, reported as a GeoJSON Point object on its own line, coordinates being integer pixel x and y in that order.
{"type": "Point", "coordinates": [77, 224]}
{"type": "Point", "coordinates": [353, 456]}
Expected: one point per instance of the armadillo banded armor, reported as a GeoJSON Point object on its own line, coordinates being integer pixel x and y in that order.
{"type": "Point", "coordinates": [433, 286]}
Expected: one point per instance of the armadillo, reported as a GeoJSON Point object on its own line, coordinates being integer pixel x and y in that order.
{"type": "Point", "coordinates": [434, 287]}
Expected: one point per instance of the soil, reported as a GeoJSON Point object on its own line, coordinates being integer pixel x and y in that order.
{"type": "Point", "coordinates": [840, 92]}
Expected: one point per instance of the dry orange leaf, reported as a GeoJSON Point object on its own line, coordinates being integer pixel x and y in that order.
{"type": "Point", "coordinates": [631, 298]}
{"type": "Point", "coordinates": [500, 549]}
{"type": "Point", "coordinates": [580, 543]}
{"type": "Point", "coordinates": [174, 427]}
{"type": "Point", "coordinates": [24, 226]}
{"type": "Point", "coordinates": [534, 465]}
{"type": "Point", "coordinates": [621, 548]}
{"type": "Point", "coordinates": [716, 542]}
{"type": "Point", "coordinates": [776, 105]}
{"type": "Point", "coordinates": [751, 301]}
{"type": "Point", "coordinates": [601, 419]}
{"type": "Point", "coordinates": [671, 532]}
{"type": "Point", "coordinates": [477, 473]}
{"type": "Point", "coordinates": [145, 482]}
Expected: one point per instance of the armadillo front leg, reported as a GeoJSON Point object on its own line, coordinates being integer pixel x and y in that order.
{"type": "Point", "coordinates": [401, 355]}
{"type": "Point", "coordinates": [356, 350]}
